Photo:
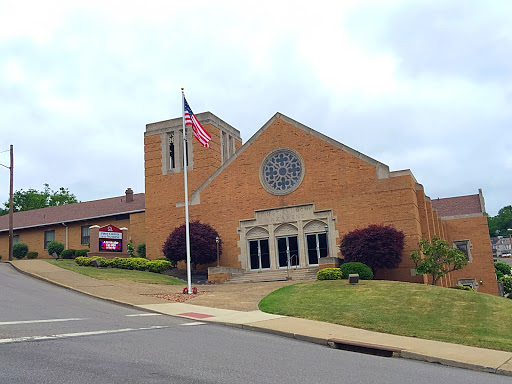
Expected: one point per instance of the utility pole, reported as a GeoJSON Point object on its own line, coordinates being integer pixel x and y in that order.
{"type": "Point", "coordinates": [11, 166]}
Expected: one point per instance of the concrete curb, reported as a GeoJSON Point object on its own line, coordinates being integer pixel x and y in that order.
{"type": "Point", "coordinates": [310, 339]}
{"type": "Point", "coordinates": [452, 363]}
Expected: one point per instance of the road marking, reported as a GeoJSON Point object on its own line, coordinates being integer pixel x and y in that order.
{"type": "Point", "coordinates": [38, 321]}
{"type": "Point", "coordinates": [145, 314]}
{"type": "Point", "coordinates": [194, 323]}
{"type": "Point", "coordinates": [77, 334]}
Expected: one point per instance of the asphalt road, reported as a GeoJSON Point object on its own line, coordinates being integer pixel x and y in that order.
{"type": "Point", "coordinates": [52, 335]}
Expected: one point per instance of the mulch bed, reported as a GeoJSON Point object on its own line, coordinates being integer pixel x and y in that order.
{"type": "Point", "coordinates": [177, 297]}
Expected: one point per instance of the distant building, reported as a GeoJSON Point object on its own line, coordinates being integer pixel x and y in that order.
{"type": "Point", "coordinates": [501, 246]}
{"type": "Point", "coordinates": [70, 223]}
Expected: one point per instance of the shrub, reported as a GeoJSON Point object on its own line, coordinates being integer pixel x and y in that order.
{"type": "Point", "coordinates": [502, 267]}
{"type": "Point", "coordinates": [141, 250]}
{"type": "Point", "coordinates": [83, 261]}
{"type": "Point", "coordinates": [499, 274]}
{"type": "Point", "coordinates": [19, 250]}
{"type": "Point", "coordinates": [462, 288]}
{"type": "Point", "coordinates": [130, 249]}
{"type": "Point", "coordinates": [377, 246]}
{"type": "Point", "coordinates": [364, 271]}
{"type": "Point", "coordinates": [203, 248]}
{"type": "Point", "coordinates": [68, 254]}
{"type": "Point", "coordinates": [103, 261]}
{"type": "Point", "coordinates": [158, 266]}
{"type": "Point", "coordinates": [329, 274]}
{"type": "Point", "coordinates": [55, 246]}
{"type": "Point", "coordinates": [32, 255]}
{"type": "Point", "coordinates": [81, 252]}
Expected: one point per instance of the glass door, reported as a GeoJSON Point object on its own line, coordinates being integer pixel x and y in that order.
{"type": "Point", "coordinates": [317, 246]}
{"type": "Point", "coordinates": [259, 254]}
{"type": "Point", "coordinates": [288, 251]}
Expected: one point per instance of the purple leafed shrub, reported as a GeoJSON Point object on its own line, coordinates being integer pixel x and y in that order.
{"type": "Point", "coordinates": [377, 246]}
{"type": "Point", "coordinates": [203, 248]}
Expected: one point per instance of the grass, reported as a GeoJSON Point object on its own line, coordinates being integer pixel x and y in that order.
{"type": "Point", "coordinates": [416, 310]}
{"type": "Point", "coordinates": [115, 274]}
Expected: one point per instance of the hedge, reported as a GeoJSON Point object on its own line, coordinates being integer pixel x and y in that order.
{"type": "Point", "coordinates": [329, 274]}
{"type": "Point", "coordinates": [137, 263]}
{"type": "Point", "coordinates": [68, 254]}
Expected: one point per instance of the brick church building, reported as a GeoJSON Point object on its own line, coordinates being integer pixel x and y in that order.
{"type": "Point", "coordinates": [289, 195]}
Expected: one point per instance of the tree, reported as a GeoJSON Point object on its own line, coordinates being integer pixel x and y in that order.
{"type": "Point", "coordinates": [377, 246]}
{"type": "Point", "coordinates": [34, 199]}
{"type": "Point", "coordinates": [203, 248]}
{"type": "Point", "coordinates": [439, 258]}
{"type": "Point", "coordinates": [499, 224]}
{"type": "Point", "coordinates": [501, 269]}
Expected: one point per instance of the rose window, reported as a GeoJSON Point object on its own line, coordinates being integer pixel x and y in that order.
{"type": "Point", "coordinates": [282, 171]}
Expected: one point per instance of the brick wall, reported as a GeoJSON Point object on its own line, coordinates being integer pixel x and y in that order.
{"type": "Point", "coordinates": [34, 237]}
{"type": "Point", "coordinates": [334, 179]}
{"type": "Point", "coordinates": [482, 267]}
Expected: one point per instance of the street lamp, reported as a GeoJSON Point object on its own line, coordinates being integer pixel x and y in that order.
{"type": "Point", "coordinates": [510, 239]}
{"type": "Point", "coordinates": [217, 240]}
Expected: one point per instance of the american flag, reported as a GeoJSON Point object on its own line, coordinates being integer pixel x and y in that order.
{"type": "Point", "coordinates": [199, 132]}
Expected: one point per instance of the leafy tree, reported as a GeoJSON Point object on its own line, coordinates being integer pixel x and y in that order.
{"type": "Point", "coordinates": [34, 199]}
{"type": "Point", "coordinates": [507, 286]}
{"type": "Point", "coordinates": [501, 269]}
{"type": "Point", "coordinates": [203, 248]}
{"type": "Point", "coordinates": [19, 250]}
{"type": "Point", "coordinates": [439, 258]}
{"type": "Point", "coordinates": [499, 224]}
{"type": "Point", "coordinates": [377, 246]}
{"type": "Point", "coordinates": [55, 246]}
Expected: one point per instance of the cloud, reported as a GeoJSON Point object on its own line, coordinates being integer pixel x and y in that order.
{"type": "Point", "coordinates": [419, 85]}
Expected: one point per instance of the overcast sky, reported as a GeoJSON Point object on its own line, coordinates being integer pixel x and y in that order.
{"type": "Point", "coordinates": [420, 85]}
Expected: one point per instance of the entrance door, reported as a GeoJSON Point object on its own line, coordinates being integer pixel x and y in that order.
{"type": "Point", "coordinates": [259, 254]}
{"type": "Point", "coordinates": [317, 247]}
{"type": "Point", "coordinates": [288, 251]}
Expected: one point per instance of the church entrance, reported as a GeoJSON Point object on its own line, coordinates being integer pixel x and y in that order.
{"type": "Point", "coordinates": [259, 254]}
{"type": "Point", "coordinates": [288, 251]}
{"type": "Point", "coordinates": [317, 247]}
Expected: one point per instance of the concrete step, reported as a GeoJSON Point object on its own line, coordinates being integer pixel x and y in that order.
{"type": "Point", "coordinates": [274, 275]}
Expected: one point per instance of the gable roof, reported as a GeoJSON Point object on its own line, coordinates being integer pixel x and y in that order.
{"type": "Point", "coordinates": [470, 205]}
{"type": "Point", "coordinates": [382, 169]}
{"type": "Point", "coordinates": [74, 212]}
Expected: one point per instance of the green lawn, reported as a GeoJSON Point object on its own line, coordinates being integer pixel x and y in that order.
{"type": "Point", "coordinates": [427, 312]}
{"type": "Point", "coordinates": [118, 274]}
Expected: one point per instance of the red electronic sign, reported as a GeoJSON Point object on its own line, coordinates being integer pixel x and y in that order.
{"type": "Point", "coordinates": [111, 245]}
{"type": "Point", "coordinates": [111, 239]}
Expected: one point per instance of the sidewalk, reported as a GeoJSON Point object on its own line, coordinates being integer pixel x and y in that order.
{"type": "Point", "coordinates": [237, 305]}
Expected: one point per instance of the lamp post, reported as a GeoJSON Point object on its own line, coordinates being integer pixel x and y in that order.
{"type": "Point", "coordinates": [217, 240]}
{"type": "Point", "coordinates": [510, 239]}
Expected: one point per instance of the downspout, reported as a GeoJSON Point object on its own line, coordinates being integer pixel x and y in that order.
{"type": "Point", "coordinates": [67, 233]}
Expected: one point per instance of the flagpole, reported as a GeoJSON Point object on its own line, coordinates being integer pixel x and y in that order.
{"type": "Point", "coordinates": [187, 227]}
